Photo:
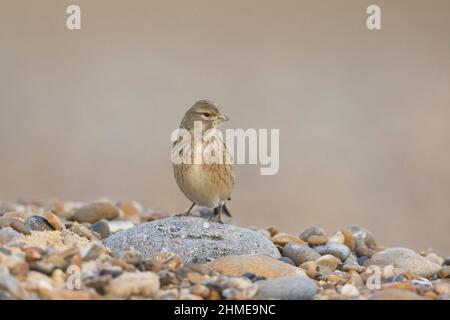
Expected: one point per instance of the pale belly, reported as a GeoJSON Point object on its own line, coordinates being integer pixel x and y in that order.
{"type": "Point", "coordinates": [204, 185]}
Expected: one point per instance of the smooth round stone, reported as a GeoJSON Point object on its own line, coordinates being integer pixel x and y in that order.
{"type": "Point", "coordinates": [405, 259]}
{"type": "Point", "coordinates": [287, 260]}
{"type": "Point", "coordinates": [444, 272]}
{"type": "Point", "coordinates": [94, 212]}
{"type": "Point", "coordinates": [395, 294]}
{"type": "Point", "coordinates": [338, 250]}
{"type": "Point", "coordinates": [15, 224]}
{"type": "Point", "coordinates": [446, 261]}
{"type": "Point", "coordinates": [8, 234]}
{"type": "Point", "coordinates": [145, 284]}
{"type": "Point", "coordinates": [194, 239]}
{"type": "Point", "coordinates": [299, 253]}
{"type": "Point", "coordinates": [329, 261]}
{"type": "Point", "coordinates": [311, 231]}
{"type": "Point", "coordinates": [287, 288]}
{"type": "Point", "coordinates": [362, 259]}
{"type": "Point", "coordinates": [362, 236]}
{"type": "Point", "coordinates": [260, 265]}
{"type": "Point", "coordinates": [102, 228]}
{"type": "Point", "coordinates": [38, 223]}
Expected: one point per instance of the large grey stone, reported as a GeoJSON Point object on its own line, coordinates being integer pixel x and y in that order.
{"type": "Point", "coordinates": [406, 260]}
{"type": "Point", "coordinates": [194, 239]}
{"type": "Point", "coordinates": [287, 288]}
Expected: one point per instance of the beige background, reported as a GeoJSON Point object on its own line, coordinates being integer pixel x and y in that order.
{"type": "Point", "coordinates": [363, 115]}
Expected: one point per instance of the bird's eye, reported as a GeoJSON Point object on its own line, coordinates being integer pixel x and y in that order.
{"type": "Point", "coordinates": [206, 114]}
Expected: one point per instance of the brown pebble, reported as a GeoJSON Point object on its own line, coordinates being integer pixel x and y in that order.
{"type": "Point", "coordinates": [16, 224]}
{"type": "Point", "coordinates": [364, 251]}
{"type": "Point", "coordinates": [349, 241]}
{"type": "Point", "coordinates": [53, 220]}
{"type": "Point", "coordinates": [282, 239]}
{"type": "Point", "coordinates": [168, 260]}
{"type": "Point", "coordinates": [130, 208]}
{"type": "Point", "coordinates": [317, 240]}
{"type": "Point", "coordinates": [430, 295]}
{"type": "Point", "coordinates": [195, 277]}
{"type": "Point", "coordinates": [200, 290]}
{"type": "Point", "coordinates": [444, 272]}
{"type": "Point", "coordinates": [214, 295]}
{"type": "Point", "coordinates": [16, 214]}
{"type": "Point", "coordinates": [399, 285]}
{"type": "Point", "coordinates": [33, 254]}
{"type": "Point", "coordinates": [153, 216]}
{"type": "Point", "coordinates": [272, 230]}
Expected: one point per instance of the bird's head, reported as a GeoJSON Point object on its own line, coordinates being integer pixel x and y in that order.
{"type": "Point", "coordinates": [206, 112]}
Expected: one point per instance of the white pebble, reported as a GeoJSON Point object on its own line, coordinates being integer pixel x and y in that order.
{"type": "Point", "coordinates": [350, 290]}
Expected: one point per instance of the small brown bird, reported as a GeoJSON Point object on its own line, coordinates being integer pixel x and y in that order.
{"type": "Point", "coordinates": [205, 184]}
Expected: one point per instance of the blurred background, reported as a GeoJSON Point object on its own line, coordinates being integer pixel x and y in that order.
{"type": "Point", "coordinates": [363, 115]}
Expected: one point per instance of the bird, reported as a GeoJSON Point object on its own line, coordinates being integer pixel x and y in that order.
{"type": "Point", "coordinates": [205, 184]}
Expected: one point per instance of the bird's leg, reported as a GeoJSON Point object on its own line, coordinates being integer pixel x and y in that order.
{"type": "Point", "coordinates": [187, 213]}
{"type": "Point", "coordinates": [226, 210]}
{"type": "Point", "coordinates": [217, 212]}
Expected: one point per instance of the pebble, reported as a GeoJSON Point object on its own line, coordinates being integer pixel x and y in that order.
{"type": "Point", "coordinates": [338, 237]}
{"type": "Point", "coordinates": [83, 231]}
{"type": "Point", "coordinates": [328, 261]}
{"type": "Point", "coordinates": [283, 239]}
{"type": "Point", "coordinates": [11, 285]}
{"type": "Point", "coordinates": [388, 271]}
{"type": "Point", "coordinates": [299, 253]}
{"type": "Point", "coordinates": [53, 220]}
{"type": "Point", "coordinates": [16, 214]}
{"type": "Point", "coordinates": [259, 265]}
{"type": "Point", "coordinates": [169, 260]}
{"type": "Point", "coordinates": [131, 209]}
{"type": "Point", "coordinates": [311, 231]}
{"type": "Point", "coordinates": [102, 228]}
{"type": "Point", "coordinates": [446, 261]}
{"type": "Point", "coordinates": [145, 284]}
{"type": "Point", "coordinates": [200, 290]}
{"type": "Point", "coordinates": [395, 278]}
{"type": "Point", "coordinates": [15, 224]}
{"type": "Point", "coordinates": [395, 294]}
{"type": "Point", "coordinates": [187, 237]}
{"type": "Point", "coordinates": [287, 260]}
{"type": "Point", "coordinates": [433, 257]}
{"type": "Point", "coordinates": [362, 237]}
{"type": "Point", "coordinates": [317, 240]}
{"type": "Point", "coordinates": [311, 269]}
{"type": "Point", "coordinates": [364, 252]}
{"type": "Point", "coordinates": [444, 272]}
{"type": "Point", "coordinates": [154, 215]}
{"type": "Point", "coordinates": [119, 225]}
{"type": "Point", "coordinates": [8, 234]}
{"type": "Point", "coordinates": [287, 288]}
{"type": "Point", "coordinates": [349, 240]}
{"type": "Point", "coordinates": [94, 212]}
{"type": "Point", "coordinates": [93, 251]}
{"type": "Point", "coordinates": [406, 260]}
{"type": "Point", "coordinates": [350, 290]}
{"type": "Point", "coordinates": [338, 250]}
{"type": "Point", "coordinates": [38, 223]}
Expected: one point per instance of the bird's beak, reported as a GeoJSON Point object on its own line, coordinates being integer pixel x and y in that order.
{"type": "Point", "coordinates": [223, 118]}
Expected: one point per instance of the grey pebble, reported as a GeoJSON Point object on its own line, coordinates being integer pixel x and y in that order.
{"type": "Point", "coordinates": [338, 250]}
{"type": "Point", "coordinates": [287, 288]}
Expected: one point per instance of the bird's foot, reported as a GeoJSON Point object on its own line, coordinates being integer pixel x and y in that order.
{"type": "Point", "coordinates": [216, 219]}
{"type": "Point", "coordinates": [183, 214]}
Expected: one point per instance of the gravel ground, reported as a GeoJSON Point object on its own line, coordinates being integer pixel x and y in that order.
{"type": "Point", "coordinates": [119, 250]}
